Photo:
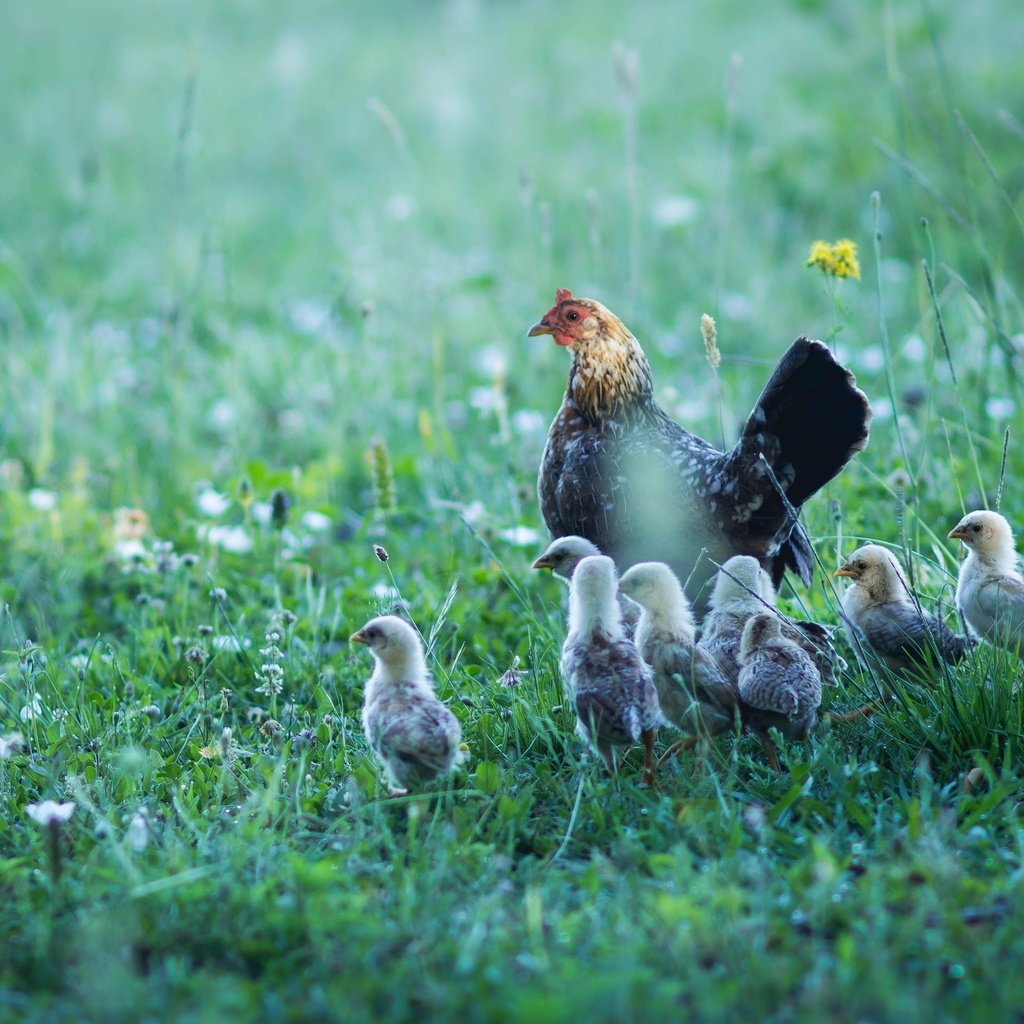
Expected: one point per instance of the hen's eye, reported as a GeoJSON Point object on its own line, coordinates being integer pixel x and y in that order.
{"type": "Point", "coordinates": [572, 315]}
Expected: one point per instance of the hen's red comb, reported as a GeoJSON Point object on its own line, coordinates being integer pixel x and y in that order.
{"type": "Point", "coordinates": [562, 295]}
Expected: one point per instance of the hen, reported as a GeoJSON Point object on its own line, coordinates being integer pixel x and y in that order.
{"type": "Point", "coordinates": [618, 471]}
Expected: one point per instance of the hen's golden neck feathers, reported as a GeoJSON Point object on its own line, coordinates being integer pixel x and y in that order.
{"type": "Point", "coordinates": [609, 369]}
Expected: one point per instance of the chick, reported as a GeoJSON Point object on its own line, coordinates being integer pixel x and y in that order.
{"type": "Point", "coordinates": [879, 608]}
{"type": "Point", "coordinates": [990, 588]}
{"type": "Point", "coordinates": [564, 554]}
{"type": "Point", "coordinates": [735, 597]}
{"type": "Point", "coordinates": [562, 557]}
{"type": "Point", "coordinates": [742, 588]}
{"type": "Point", "coordinates": [415, 737]}
{"type": "Point", "coordinates": [779, 683]}
{"type": "Point", "coordinates": [608, 683]}
{"type": "Point", "coordinates": [693, 693]}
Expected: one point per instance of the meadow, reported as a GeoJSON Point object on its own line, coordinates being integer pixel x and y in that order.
{"type": "Point", "coordinates": [266, 274]}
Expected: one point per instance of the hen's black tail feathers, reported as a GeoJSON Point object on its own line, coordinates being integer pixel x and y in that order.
{"type": "Point", "coordinates": [820, 418]}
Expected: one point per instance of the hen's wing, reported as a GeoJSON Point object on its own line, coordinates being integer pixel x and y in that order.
{"type": "Point", "coordinates": [809, 421]}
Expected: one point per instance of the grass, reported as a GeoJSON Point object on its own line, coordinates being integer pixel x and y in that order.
{"type": "Point", "coordinates": [261, 252]}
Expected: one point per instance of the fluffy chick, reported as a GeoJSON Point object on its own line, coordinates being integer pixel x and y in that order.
{"type": "Point", "coordinates": [742, 588]}
{"type": "Point", "coordinates": [693, 693]}
{"type": "Point", "coordinates": [878, 607]}
{"type": "Point", "coordinates": [415, 737]}
{"type": "Point", "coordinates": [990, 588]}
{"type": "Point", "coordinates": [610, 687]}
{"type": "Point", "coordinates": [779, 683]}
{"type": "Point", "coordinates": [735, 596]}
{"type": "Point", "coordinates": [562, 557]}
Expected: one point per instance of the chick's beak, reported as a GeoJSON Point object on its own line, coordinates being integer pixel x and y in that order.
{"type": "Point", "coordinates": [543, 562]}
{"type": "Point", "coordinates": [540, 327]}
{"type": "Point", "coordinates": [358, 637]}
{"type": "Point", "coordinates": [845, 571]}
{"type": "Point", "coordinates": [957, 533]}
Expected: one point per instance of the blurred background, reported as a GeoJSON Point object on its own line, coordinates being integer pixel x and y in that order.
{"type": "Point", "coordinates": [239, 240]}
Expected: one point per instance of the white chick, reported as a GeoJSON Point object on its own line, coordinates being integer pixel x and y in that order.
{"type": "Point", "coordinates": [415, 737]}
{"type": "Point", "coordinates": [610, 687]}
{"type": "Point", "coordinates": [990, 588]}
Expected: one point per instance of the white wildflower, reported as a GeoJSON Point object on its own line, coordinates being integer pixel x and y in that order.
{"type": "Point", "coordinates": [42, 500]}
{"type": "Point", "coordinates": [233, 539]}
{"type": "Point", "coordinates": [315, 521]}
{"type": "Point", "coordinates": [49, 812]}
{"type": "Point", "coordinates": [212, 503]}
{"type": "Point", "coordinates": [33, 709]}
{"type": "Point", "coordinates": [138, 831]}
{"type": "Point", "coordinates": [520, 536]}
{"type": "Point", "coordinates": [12, 743]}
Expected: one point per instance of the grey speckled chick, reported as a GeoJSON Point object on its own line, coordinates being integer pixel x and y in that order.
{"type": "Point", "coordinates": [693, 692]}
{"type": "Point", "coordinates": [742, 588]}
{"type": "Point", "coordinates": [609, 685]}
{"type": "Point", "coordinates": [415, 737]}
{"type": "Point", "coordinates": [990, 590]}
{"type": "Point", "coordinates": [562, 557]}
{"type": "Point", "coordinates": [779, 684]}
{"type": "Point", "coordinates": [879, 608]}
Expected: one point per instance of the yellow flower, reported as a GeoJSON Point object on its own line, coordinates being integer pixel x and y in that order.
{"type": "Point", "coordinates": [844, 252]}
{"type": "Point", "coordinates": [837, 260]}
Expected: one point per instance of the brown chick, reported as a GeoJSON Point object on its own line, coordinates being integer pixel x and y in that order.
{"type": "Point", "coordinates": [608, 683]}
{"type": "Point", "coordinates": [779, 684]}
{"type": "Point", "coordinates": [415, 737]}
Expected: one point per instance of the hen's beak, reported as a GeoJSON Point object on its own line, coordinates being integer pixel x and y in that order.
{"type": "Point", "coordinates": [958, 533]}
{"type": "Point", "coordinates": [845, 571]}
{"type": "Point", "coordinates": [358, 637]}
{"type": "Point", "coordinates": [543, 562]}
{"type": "Point", "coordinates": [540, 327]}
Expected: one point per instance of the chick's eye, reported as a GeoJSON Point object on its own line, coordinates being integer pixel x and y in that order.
{"type": "Point", "coordinates": [572, 315]}
{"type": "Point", "coordinates": [976, 528]}
{"type": "Point", "coordinates": [862, 565]}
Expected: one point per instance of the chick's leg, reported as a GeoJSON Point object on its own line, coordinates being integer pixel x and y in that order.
{"type": "Point", "coordinates": [770, 754]}
{"type": "Point", "coordinates": [650, 765]}
{"type": "Point", "coordinates": [688, 743]}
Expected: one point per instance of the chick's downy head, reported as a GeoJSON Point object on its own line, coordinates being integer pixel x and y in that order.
{"type": "Point", "coordinates": [564, 554]}
{"type": "Point", "coordinates": [592, 597]}
{"type": "Point", "coordinates": [741, 580]}
{"type": "Point", "coordinates": [874, 570]}
{"type": "Point", "coordinates": [655, 587]}
{"type": "Point", "coordinates": [392, 641]}
{"type": "Point", "coordinates": [985, 533]}
{"type": "Point", "coordinates": [759, 630]}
